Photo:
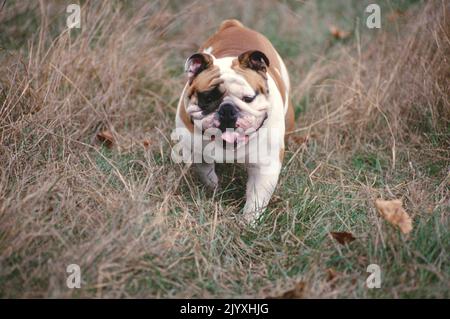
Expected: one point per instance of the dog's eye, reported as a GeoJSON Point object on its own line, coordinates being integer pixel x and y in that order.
{"type": "Point", "coordinates": [209, 99]}
{"type": "Point", "coordinates": [249, 99]}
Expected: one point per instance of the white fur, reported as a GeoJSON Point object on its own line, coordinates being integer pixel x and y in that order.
{"type": "Point", "coordinates": [286, 81]}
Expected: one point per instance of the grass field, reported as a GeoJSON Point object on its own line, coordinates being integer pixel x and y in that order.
{"type": "Point", "coordinates": [373, 121]}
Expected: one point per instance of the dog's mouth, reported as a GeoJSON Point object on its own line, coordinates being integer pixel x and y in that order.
{"type": "Point", "coordinates": [237, 137]}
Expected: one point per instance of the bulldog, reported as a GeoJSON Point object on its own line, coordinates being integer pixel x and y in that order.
{"type": "Point", "coordinates": [237, 98]}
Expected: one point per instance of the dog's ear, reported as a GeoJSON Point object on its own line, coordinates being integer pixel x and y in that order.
{"type": "Point", "coordinates": [196, 63]}
{"type": "Point", "coordinates": [255, 60]}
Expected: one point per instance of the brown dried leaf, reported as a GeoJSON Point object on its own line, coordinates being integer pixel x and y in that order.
{"type": "Point", "coordinates": [393, 212]}
{"type": "Point", "coordinates": [342, 237]}
{"type": "Point", "coordinates": [297, 292]}
{"type": "Point", "coordinates": [147, 143]}
{"type": "Point", "coordinates": [331, 274]}
{"type": "Point", "coordinates": [338, 33]}
{"type": "Point", "coordinates": [106, 137]}
{"type": "Point", "coordinates": [299, 140]}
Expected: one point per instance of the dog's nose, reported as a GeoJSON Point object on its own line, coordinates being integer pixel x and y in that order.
{"type": "Point", "coordinates": [228, 114]}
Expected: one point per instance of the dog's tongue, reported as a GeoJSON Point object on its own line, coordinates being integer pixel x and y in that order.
{"type": "Point", "coordinates": [229, 136]}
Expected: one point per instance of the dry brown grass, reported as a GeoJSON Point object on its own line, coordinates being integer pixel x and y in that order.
{"type": "Point", "coordinates": [376, 111]}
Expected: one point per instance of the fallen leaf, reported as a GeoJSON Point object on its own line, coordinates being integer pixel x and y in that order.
{"type": "Point", "coordinates": [297, 292]}
{"type": "Point", "coordinates": [338, 33]}
{"type": "Point", "coordinates": [299, 140]}
{"type": "Point", "coordinates": [331, 274]}
{"type": "Point", "coordinates": [146, 143]}
{"type": "Point", "coordinates": [343, 237]}
{"type": "Point", "coordinates": [393, 212]}
{"type": "Point", "coordinates": [106, 137]}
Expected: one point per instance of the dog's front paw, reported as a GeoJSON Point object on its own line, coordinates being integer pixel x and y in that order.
{"type": "Point", "coordinates": [211, 181]}
{"type": "Point", "coordinates": [252, 215]}
{"type": "Point", "coordinates": [207, 176]}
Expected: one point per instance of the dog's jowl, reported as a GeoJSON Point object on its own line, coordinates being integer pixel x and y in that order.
{"type": "Point", "coordinates": [235, 105]}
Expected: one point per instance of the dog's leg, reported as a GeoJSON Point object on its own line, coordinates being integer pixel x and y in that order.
{"type": "Point", "coordinates": [207, 174]}
{"type": "Point", "coordinates": [262, 180]}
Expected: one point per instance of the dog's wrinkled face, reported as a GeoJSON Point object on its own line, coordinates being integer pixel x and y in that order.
{"type": "Point", "coordinates": [228, 94]}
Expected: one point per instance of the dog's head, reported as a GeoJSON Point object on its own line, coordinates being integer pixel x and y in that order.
{"type": "Point", "coordinates": [228, 94]}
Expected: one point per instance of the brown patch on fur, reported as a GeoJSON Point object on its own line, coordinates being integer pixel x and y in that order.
{"type": "Point", "coordinates": [256, 81]}
{"type": "Point", "coordinates": [185, 118]}
{"type": "Point", "coordinates": [281, 155]}
{"type": "Point", "coordinates": [206, 80]}
{"type": "Point", "coordinates": [233, 39]}
{"type": "Point", "coordinates": [255, 60]}
{"type": "Point", "coordinates": [290, 118]}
